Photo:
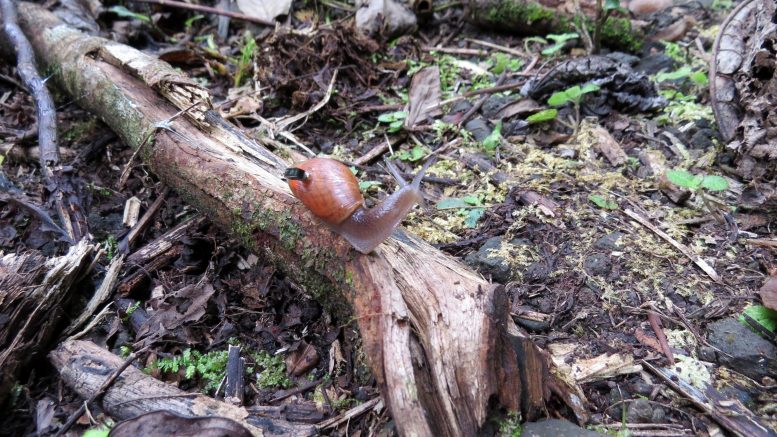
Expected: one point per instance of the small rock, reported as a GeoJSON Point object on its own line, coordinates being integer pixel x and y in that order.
{"type": "Point", "coordinates": [567, 152]}
{"type": "Point", "coordinates": [489, 263]}
{"type": "Point", "coordinates": [707, 353]}
{"type": "Point", "coordinates": [639, 411]}
{"type": "Point", "coordinates": [597, 264]}
{"type": "Point", "coordinates": [556, 428]}
{"type": "Point", "coordinates": [748, 353]}
{"type": "Point", "coordinates": [623, 58]}
{"type": "Point", "coordinates": [479, 128]}
{"type": "Point", "coordinates": [610, 242]}
{"type": "Point", "coordinates": [702, 139]}
{"type": "Point", "coordinates": [652, 64]}
{"type": "Point", "coordinates": [493, 104]}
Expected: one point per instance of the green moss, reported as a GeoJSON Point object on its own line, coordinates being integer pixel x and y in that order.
{"type": "Point", "coordinates": [618, 33]}
{"type": "Point", "coordinates": [514, 11]}
{"type": "Point", "coordinates": [210, 367]}
{"type": "Point", "coordinates": [272, 370]}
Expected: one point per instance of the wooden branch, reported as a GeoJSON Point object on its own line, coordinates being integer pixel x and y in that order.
{"type": "Point", "coordinates": [433, 330]}
{"type": "Point", "coordinates": [85, 367]}
{"type": "Point", "coordinates": [67, 204]}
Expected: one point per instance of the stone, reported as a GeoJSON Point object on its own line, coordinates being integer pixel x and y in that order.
{"type": "Point", "coordinates": [743, 350]}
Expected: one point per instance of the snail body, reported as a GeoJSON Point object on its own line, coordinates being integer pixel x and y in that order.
{"type": "Point", "coordinates": [331, 192]}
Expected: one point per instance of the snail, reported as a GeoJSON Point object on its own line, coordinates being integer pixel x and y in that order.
{"type": "Point", "coordinates": [331, 192]}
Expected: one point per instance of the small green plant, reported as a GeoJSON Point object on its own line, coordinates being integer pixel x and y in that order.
{"type": "Point", "coordinates": [494, 139]}
{"type": "Point", "coordinates": [510, 426]}
{"type": "Point", "coordinates": [210, 367]}
{"type": "Point", "coordinates": [698, 184]}
{"type": "Point", "coordinates": [395, 120]}
{"type": "Point", "coordinates": [123, 12]}
{"type": "Point", "coordinates": [125, 351]}
{"type": "Point", "coordinates": [272, 370]}
{"type": "Point", "coordinates": [603, 11]}
{"type": "Point", "coordinates": [415, 154]}
{"type": "Point", "coordinates": [111, 245]}
{"type": "Point", "coordinates": [559, 41]}
{"type": "Point", "coordinates": [501, 62]}
{"type": "Point", "coordinates": [765, 317]}
{"type": "Point", "coordinates": [246, 57]}
{"type": "Point", "coordinates": [471, 207]}
{"type": "Point", "coordinates": [602, 202]}
{"type": "Point", "coordinates": [698, 78]}
{"type": "Point", "coordinates": [190, 21]}
{"type": "Point", "coordinates": [101, 431]}
{"type": "Point", "coordinates": [572, 95]}
{"type": "Point", "coordinates": [694, 182]}
{"type": "Point", "coordinates": [542, 116]}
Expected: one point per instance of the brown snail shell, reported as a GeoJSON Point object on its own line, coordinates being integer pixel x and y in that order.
{"type": "Point", "coordinates": [327, 187]}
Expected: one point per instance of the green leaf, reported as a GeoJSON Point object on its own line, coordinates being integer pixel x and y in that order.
{"type": "Point", "coordinates": [473, 216]}
{"type": "Point", "coordinates": [589, 88]}
{"type": "Point", "coordinates": [544, 115]}
{"type": "Point", "coordinates": [472, 200]}
{"type": "Point", "coordinates": [395, 126]}
{"type": "Point", "coordinates": [2, 159]}
{"type": "Point", "coordinates": [601, 202]}
{"type": "Point", "coordinates": [574, 93]}
{"type": "Point", "coordinates": [391, 117]}
{"type": "Point", "coordinates": [500, 63]}
{"type": "Point", "coordinates": [451, 203]}
{"type": "Point", "coordinates": [699, 78]}
{"type": "Point", "coordinates": [714, 183]}
{"type": "Point", "coordinates": [493, 139]}
{"type": "Point", "coordinates": [560, 41]}
{"type": "Point", "coordinates": [611, 4]}
{"type": "Point", "coordinates": [366, 185]}
{"type": "Point", "coordinates": [684, 179]}
{"type": "Point", "coordinates": [559, 98]}
{"type": "Point", "coordinates": [97, 432]}
{"type": "Point", "coordinates": [674, 75]}
{"type": "Point", "coordinates": [415, 154]}
{"type": "Point", "coordinates": [192, 20]}
{"type": "Point", "coordinates": [126, 13]}
{"type": "Point", "coordinates": [764, 316]}
{"type": "Point", "coordinates": [562, 37]}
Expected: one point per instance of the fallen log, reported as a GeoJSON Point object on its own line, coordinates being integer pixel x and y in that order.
{"type": "Point", "coordinates": [84, 366]}
{"type": "Point", "coordinates": [435, 333]}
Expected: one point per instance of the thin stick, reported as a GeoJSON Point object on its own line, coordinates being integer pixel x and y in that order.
{"type": "Point", "coordinates": [496, 47]}
{"type": "Point", "coordinates": [655, 323]}
{"type": "Point", "coordinates": [683, 249]}
{"type": "Point", "coordinates": [208, 10]}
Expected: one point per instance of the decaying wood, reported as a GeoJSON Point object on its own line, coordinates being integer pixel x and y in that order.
{"type": "Point", "coordinates": [33, 292]}
{"type": "Point", "coordinates": [85, 366]}
{"type": "Point", "coordinates": [435, 333]}
{"type": "Point", "coordinates": [541, 17]}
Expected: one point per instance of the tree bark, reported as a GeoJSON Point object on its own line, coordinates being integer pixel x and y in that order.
{"type": "Point", "coordinates": [435, 332]}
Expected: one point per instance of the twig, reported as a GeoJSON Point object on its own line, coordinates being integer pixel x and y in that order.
{"type": "Point", "coordinates": [44, 104]}
{"type": "Point", "coordinates": [348, 415]}
{"type": "Point", "coordinates": [208, 10]}
{"type": "Point", "coordinates": [144, 221]}
{"type": "Point", "coordinates": [480, 102]}
{"type": "Point", "coordinates": [68, 209]}
{"type": "Point", "coordinates": [496, 47]}
{"type": "Point", "coordinates": [655, 323]}
{"type": "Point", "coordinates": [100, 392]}
{"type": "Point", "coordinates": [683, 249]}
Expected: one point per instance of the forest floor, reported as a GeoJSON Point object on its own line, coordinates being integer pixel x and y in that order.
{"type": "Point", "coordinates": [574, 212]}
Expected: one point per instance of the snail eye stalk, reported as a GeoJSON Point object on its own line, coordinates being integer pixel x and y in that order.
{"type": "Point", "coordinates": [295, 174]}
